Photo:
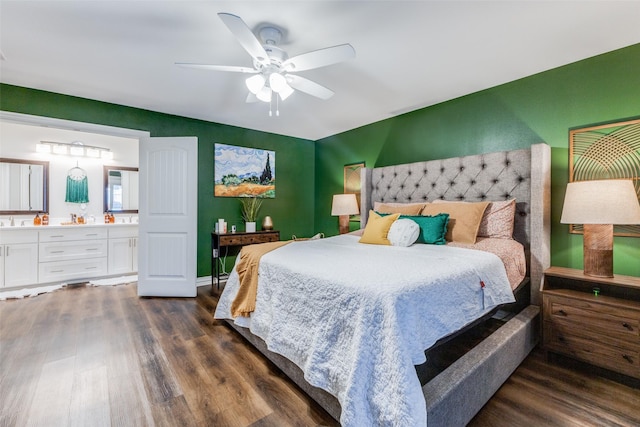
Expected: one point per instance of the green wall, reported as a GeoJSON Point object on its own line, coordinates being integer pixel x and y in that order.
{"type": "Point", "coordinates": [291, 210]}
{"type": "Point", "coordinates": [540, 108]}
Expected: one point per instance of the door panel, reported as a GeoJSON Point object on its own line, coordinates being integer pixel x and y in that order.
{"type": "Point", "coordinates": [168, 217]}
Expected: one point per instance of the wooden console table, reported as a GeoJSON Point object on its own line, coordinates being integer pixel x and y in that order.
{"type": "Point", "coordinates": [238, 239]}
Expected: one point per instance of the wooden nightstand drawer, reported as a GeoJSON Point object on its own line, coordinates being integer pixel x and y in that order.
{"type": "Point", "coordinates": [605, 318]}
{"type": "Point", "coordinates": [600, 353]}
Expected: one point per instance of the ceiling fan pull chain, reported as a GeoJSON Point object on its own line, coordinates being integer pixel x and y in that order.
{"type": "Point", "coordinates": [277, 105]}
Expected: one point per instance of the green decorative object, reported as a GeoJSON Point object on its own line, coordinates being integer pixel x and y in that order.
{"type": "Point", "coordinates": [77, 186]}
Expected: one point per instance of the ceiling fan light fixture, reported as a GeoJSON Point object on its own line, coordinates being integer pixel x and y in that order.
{"type": "Point", "coordinates": [277, 82]}
{"type": "Point", "coordinates": [265, 94]}
{"type": "Point", "coordinates": [285, 92]}
{"type": "Point", "coordinates": [255, 83]}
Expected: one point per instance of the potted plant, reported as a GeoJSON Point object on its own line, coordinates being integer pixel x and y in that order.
{"type": "Point", "coordinates": [250, 209]}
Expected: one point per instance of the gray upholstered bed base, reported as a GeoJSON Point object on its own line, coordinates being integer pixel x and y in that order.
{"type": "Point", "coordinates": [455, 395]}
{"type": "Point", "coordinates": [459, 392]}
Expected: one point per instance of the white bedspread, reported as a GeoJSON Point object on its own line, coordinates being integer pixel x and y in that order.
{"type": "Point", "coordinates": [356, 318]}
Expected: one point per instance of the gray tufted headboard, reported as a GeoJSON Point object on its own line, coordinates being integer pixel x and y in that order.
{"type": "Point", "coordinates": [521, 174]}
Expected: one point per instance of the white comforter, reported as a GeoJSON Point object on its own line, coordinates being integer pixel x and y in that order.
{"type": "Point", "coordinates": [356, 318]}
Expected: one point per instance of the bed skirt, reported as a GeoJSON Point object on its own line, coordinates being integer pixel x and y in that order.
{"type": "Point", "coordinates": [455, 395]}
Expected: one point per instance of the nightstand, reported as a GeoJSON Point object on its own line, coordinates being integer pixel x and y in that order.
{"type": "Point", "coordinates": [592, 319]}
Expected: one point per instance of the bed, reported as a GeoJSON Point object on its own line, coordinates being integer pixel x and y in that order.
{"type": "Point", "coordinates": [456, 394]}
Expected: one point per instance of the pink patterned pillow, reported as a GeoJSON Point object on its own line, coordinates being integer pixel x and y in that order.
{"type": "Point", "coordinates": [498, 219]}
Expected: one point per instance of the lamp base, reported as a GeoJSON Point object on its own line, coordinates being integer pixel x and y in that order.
{"type": "Point", "coordinates": [343, 221]}
{"type": "Point", "coordinates": [598, 250]}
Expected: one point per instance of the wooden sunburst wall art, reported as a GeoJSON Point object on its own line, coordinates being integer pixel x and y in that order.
{"type": "Point", "coordinates": [609, 151]}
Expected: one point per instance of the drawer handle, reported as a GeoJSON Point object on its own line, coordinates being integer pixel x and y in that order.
{"type": "Point", "coordinates": [91, 249]}
{"type": "Point", "coordinates": [627, 326]}
{"type": "Point", "coordinates": [90, 268]}
{"type": "Point", "coordinates": [57, 252]}
{"type": "Point", "coordinates": [57, 236]}
{"type": "Point", "coordinates": [627, 358]}
{"type": "Point", "coordinates": [562, 312]}
{"type": "Point", "coordinates": [57, 271]}
{"type": "Point", "coordinates": [91, 234]}
{"type": "Point", "coordinates": [561, 339]}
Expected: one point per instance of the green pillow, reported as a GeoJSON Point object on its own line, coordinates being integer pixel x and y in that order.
{"type": "Point", "coordinates": [432, 228]}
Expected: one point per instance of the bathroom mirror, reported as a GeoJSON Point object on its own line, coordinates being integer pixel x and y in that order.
{"type": "Point", "coordinates": [24, 186]}
{"type": "Point", "coordinates": [120, 189]}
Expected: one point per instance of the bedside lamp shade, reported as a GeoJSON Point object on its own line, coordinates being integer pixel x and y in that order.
{"type": "Point", "coordinates": [598, 205]}
{"type": "Point", "coordinates": [344, 205]}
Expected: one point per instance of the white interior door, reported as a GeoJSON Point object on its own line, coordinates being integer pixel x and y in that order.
{"type": "Point", "coordinates": [168, 217]}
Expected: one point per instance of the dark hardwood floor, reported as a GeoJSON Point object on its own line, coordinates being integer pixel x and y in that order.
{"type": "Point", "coordinates": [101, 356]}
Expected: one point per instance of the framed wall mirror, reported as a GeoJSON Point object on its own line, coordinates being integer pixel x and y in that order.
{"type": "Point", "coordinates": [24, 186]}
{"type": "Point", "coordinates": [120, 189]}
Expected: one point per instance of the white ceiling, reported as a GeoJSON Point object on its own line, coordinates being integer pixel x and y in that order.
{"type": "Point", "coordinates": [409, 54]}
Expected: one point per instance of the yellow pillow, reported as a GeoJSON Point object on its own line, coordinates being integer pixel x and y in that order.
{"type": "Point", "coordinates": [401, 208]}
{"type": "Point", "coordinates": [377, 228]}
{"type": "Point", "coordinates": [464, 219]}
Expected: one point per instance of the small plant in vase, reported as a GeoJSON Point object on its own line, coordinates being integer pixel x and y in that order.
{"type": "Point", "coordinates": [250, 208]}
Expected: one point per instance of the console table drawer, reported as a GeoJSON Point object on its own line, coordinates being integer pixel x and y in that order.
{"type": "Point", "coordinates": [248, 239]}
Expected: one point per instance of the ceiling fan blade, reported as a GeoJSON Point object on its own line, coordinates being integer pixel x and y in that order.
{"type": "Point", "coordinates": [309, 87]}
{"type": "Point", "coordinates": [246, 37]}
{"type": "Point", "coordinates": [210, 67]}
{"type": "Point", "coordinates": [319, 58]}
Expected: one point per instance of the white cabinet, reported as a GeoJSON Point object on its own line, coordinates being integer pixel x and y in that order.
{"type": "Point", "coordinates": [18, 257]}
{"type": "Point", "coordinates": [123, 249]}
{"type": "Point", "coordinates": [73, 253]}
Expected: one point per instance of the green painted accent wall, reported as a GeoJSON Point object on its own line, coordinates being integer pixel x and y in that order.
{"type": "Point", "coordinates": [292, 209]}
{"type": "Point", "coordinates": [539, 108]}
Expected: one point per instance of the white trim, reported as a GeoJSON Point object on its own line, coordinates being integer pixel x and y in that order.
{"type": "Point", "coordinates": [203, 281]}
{"type": "Point", "coordinates": [71, 125]}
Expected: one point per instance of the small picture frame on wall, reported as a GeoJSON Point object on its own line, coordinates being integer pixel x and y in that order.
{"type": "Point", "coordinates": [352, 183]}
{"type": "Point", "coordinates": [609, 151]}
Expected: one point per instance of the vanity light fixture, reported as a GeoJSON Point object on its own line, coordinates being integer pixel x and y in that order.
{"type": "Point", "coordinates": [76, 149]}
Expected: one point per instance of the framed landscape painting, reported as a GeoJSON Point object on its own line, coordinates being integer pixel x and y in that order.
{"type": "Point", "coordinates": [244, 172]}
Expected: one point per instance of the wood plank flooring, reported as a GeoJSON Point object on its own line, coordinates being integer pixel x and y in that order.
{"type": "Point", "coordinates": [101, 356]}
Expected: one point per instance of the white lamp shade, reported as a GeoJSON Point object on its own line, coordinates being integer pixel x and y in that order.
{"type": "Point", "coordinates": [344, 204]}
{"type": "Point", "coordinates": [277, 82]}
{"type": "Point", "coordinates": [265, 94]}
{"type": "Point", "coordinates": [255, 83]}
{"type": "Point", "coordinates": [285, 91]}
{"type": "Point", "coordinates": [609, 201]}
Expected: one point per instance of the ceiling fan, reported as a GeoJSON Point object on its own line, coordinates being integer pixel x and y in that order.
{"type": "Point", "coordinates": [272, 66]}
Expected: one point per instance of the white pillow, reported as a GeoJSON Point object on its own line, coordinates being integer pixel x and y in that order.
{"type": "Point", "coordinates": [403, 232]}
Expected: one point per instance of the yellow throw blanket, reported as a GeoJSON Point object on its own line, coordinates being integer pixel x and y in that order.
{"type": "Point", "coordinates": [245, 301]}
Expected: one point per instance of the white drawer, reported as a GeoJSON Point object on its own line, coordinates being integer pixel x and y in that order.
{"type": "Point", "coordinates": [74, 232]}
{"type": "Point", "coordinates": [9, 236]}
{"type": "Point", "coordinates": [72, 250]}
{"type": "Point", "coordinates": [121, 231]}
{"type": "Point", "coordinates": [82, 269]}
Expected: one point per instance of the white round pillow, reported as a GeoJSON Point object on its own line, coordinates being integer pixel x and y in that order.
{"type": "Point", "coordinates": [403, 232]}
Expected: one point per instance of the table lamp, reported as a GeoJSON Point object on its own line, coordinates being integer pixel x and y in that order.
{"type": "Point", "coordinates": [598, 205]}
{"type": "Point", "coordinates": [344, 205]}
